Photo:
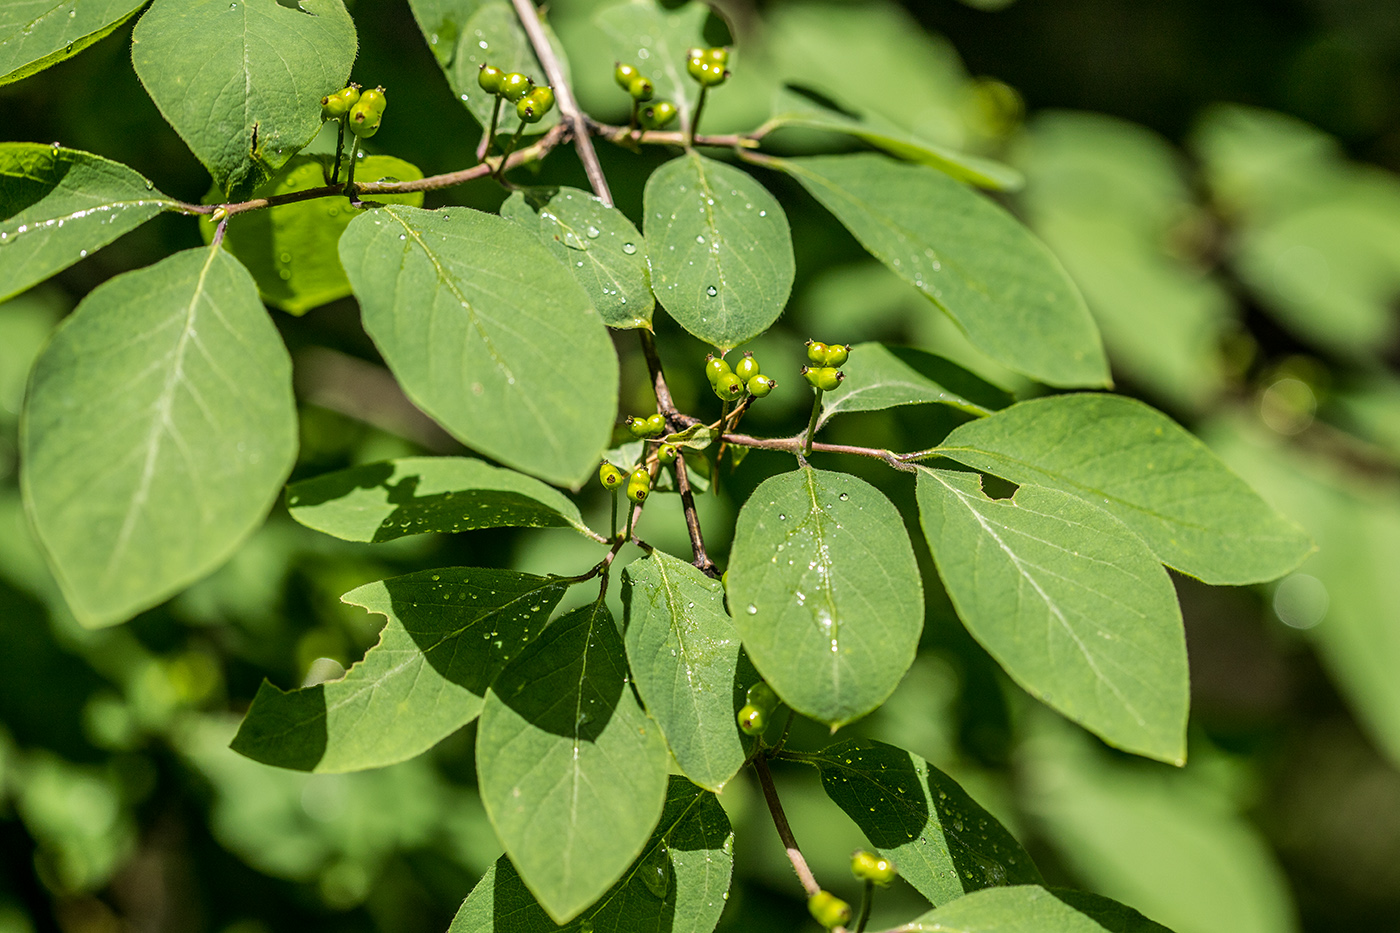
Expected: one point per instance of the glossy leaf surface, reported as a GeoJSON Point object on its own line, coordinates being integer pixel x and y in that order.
{"type": "Point", "coordinates": [1194, 513]}
{"type": "Point", "coordinates": [58, 205]}
{"type": "Point", "coordinates": [971, 258]}
{"type": "Point", "coordinates": [719, 247]}
{"type": "Point", "coordinates": [825, 592]}
{"type": "Point", "coordinates": [879, 376]}
{"type": "Point", "coordinates": [1070, 602]}
{"type": "Point", "coordinates": [448, 633]}
{"type": "Point", "coordinates": [572, 772]}
{"type": "Point", "coordinates": [487, 334]}
{"type": "Point", "coordinates": [282, 59]}
{"type": "Point", "coordinates": [1033, 909]}
{"type": "Point", "coordinates": [491, 34]}
{"type": "Point", "coordinates": [159, 428]}
{"type": "Point", "coordinates": [35, 34]}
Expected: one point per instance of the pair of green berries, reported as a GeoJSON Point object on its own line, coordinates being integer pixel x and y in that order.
{"type": "Point", "coordinates": [640, 88]}
{"type": "Point", "coordinates": [364, 109]}
{"type": "Point", "coordinates": [638, 481]}
{"type": "Point", "coordinates": [653, 426]}
{"type": "Point", "coordinates": [531, 101]}
{"type": "Point", "coordinates": [823, 374]}
{"type": "Point", "coordinates": [759, 703]}
{"type": "Point", "coordinates": [707, 66]}
{"type": "Point", "coordinates": [730, 384]}
{"type": "Point", "coordinates": [867, 866]}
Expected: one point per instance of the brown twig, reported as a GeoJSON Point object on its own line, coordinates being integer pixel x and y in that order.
{"type": "Point", "coordinates": [692, 521]}
{"type": "Point", "coordinates": [794, 445]}
{"type": "Point", "coordinates": [775, 807]}
{"type": "Point", "coordinates": [616, 134]}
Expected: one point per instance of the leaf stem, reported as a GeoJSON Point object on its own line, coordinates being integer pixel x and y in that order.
{"type": "Point", "coordinates": [812, 423]}
{"type": "Point", "coordinates": [613, 536]}
{"type": "Point", "coordinates": [339, 150]}
{"type": "Point", "coordinates": [775, 807]}
{"type": "Point", "coordinates": [350, 171]}
{"type": "Point", "coordinates": [499, 174]}
{"type": "Point", "coordinates": [695, 117]}
{"type": "Point", "coordinates": [491, 133]}
{"type": "Point", "coordinates": [867, 896]}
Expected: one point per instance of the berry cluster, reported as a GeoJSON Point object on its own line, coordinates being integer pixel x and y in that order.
{"type": "Point", "coordinates": [364, 109]}
{"type": "Point", "coordinates": [650, 426]}
{"type": "Point", "coordinates": [759, 703]}
{"type": "Point", "coordinates": [638, 481]}
{"type": "Point", "coordinates": [707, 66]}
{"type": "Point", "coordinates": [656, 113]}
{"type": "Point", "coordinates": [744, 378]}
{"type": "Point", "coordinates": [823, 373]}
{"type": "Point", "coordinates": [531, 101]}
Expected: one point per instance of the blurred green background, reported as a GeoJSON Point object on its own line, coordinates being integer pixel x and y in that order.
{"type": "Point", "coordinates": [1220, 179]}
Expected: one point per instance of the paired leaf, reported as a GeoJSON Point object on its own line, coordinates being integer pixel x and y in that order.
{"type": "Point", "coordinates": [646, 34]}
{"type": "Point", "coordinates": [159, 427]}
{"type": "Point", "coordinates": [825, 592]}
{"type": "Point", "coordinates": [1070, 602]}
{"type": "Point", "coordinates": [35, 34]}
{"type": "Point", "coordinates": [970, 257]}
{"type": "Point", "coordinates": [291, 248]}
{"type": "Point", "coordinates": [719, 247]}
{"type": "Point", "coordinates": [1194, 513]}
{"type": "Point", "coordinates": [241, 81]}
{"type": "Point", "coordinates": [58, 205]}
{"type": "Point", "coordinates": [572, 772]}
{"type": "Point", "coordinates": [487, 334]}
{"type": "Point", "coordinates": [941, 841]}
{"type": "Point", "coordinates": [879, 376]}
{"type": "Point", "coordinates": [1033, 909]}
{"type": "Point", "coordinates": [683, 650]}
{"type": "Point", "coordinates": [597, 243]}
{"type": "Point", "coordinates": [677, 885]}
{"type": "Point", "coordinates": [449, 633]}
{"type": "Point", "coordinates": [422, 495]}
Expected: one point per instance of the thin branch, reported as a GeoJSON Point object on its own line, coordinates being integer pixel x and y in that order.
{"type": "Point", "coordinates": [617, 134]}
{"type": "Point", "coordinates": [794, 445]}
{"type": "Point", "coordinates": [664, 402]}
{"type": "Point", "coordinates": [564, 97]}
{"type": "Point", "coordinates": [775, 807]}
{"type": "Point", "coordinates": [692, 521]}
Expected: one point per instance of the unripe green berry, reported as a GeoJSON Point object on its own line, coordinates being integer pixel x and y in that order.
{"type": "Point", "coordinates": [623, 75]}
{"type": "Point", "coordinates": [515, 86]}
{"type": "Point", "coordinates": [816, 352]}
{"type": "Point", "coordinates": [695, 65]}
{"type": "Point", "coordinates": [867, 866]}
{"type": "Point", "coordinates": [712, 74]}
{"type": "Point", "coordinates": [828, 909]}
{"type": "Point", "coordinates": [715, 366]}
{"type": "Point", "coordinates": [747, 367]}
{"type": "Point", "coordinates": [658, 114]}
{"type": "Point", "coordinates": [825, 378]}
{"type": "Point", "coordinates": [752, 720]}
{"type": "Point", "coordinates": [667, 453]}
{"type": "Point", "coordinates": [641, 88]}
{"type": "Point", "coordinates": [528, 109]}
{"type": "Point", "coordinates": [762, 696]}
{"type": "Point", "coordinates": [638, 427]}
{"type": "Point", "coordinates": [729, 387]}
{"type": "Point", "coordinates": [638, 485]}
{"type": "Point", "coordinates": [374, 99]}
{"type": "Point", "coordinates": [759, 386]}
{"type": "Point", "coordinates": [334, 106]}
{"type": "Point", "coordinates": [488, 77]}
{"type": "Point", "coordinates": [610, 476]}
{"type": "Point", "coordinates": [656, 424]}
{"type": "Point", "coordinates": [836, 354]}
{"type": "Point", "coordinates": [718, 55]}
{"type": "Point", "coordinates": [543, 96]}
{"type": "Point", "coordinates": [364, 122]}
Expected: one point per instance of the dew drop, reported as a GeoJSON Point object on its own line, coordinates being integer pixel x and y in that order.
{"type": "Point", "coordinates": [592, 232]}
{"type": "Point", "coordinates": [629, 248]}
{"type": "Point", "coordinates": [712, 291]}
{"type": "Point", "coordinates": [752, 610]}
{"type": "Point", "coordinates": [843, 497]}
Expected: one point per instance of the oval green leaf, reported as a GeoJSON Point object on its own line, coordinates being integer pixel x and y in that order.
{"type": "Point", "coordinates": [677, 884]}
{"type": "Point", "coordinates": [58, 205]}
{"type": "Point", "coordinates": [1033, 909]}
{"type": "Point", "coordinates": [970, 257]}
{"type": "Point", "coordinates": [939, 839]}
{"type": "Point", "coordinates": [487, 334]}
{"type": "Point", "coordinates": [825, 592]}
{"type": "Point", "coordinates": [1195, 514]}
{"type": "Point", "coordinates": [35, 34]}
{"type": "Point", "coordinates": [684, 653]}
{"type": "Point", "coordinates": [572, 772]}
{"type": "Point", "coordinates": [449, 632]}
{"type": "Point", "coordinates": [719, 247]}
{"type": "Point", "coordinates": [282, 59]}
{"type": "Point", "coordinates": [879, 377]}
{"type": "Point", "coordinates": [655, 39]}
{"type": "Point", "coordinates": [1070, 602]}
{"type": "Point", "coordinates": [383, 501]}
{"type": "Point", "coordinates": [596, 243]}
{"type": "Point", "coordinates": [159, 428]}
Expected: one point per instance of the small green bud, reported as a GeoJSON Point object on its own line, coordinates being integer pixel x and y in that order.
{"type": "Point", "coordinates": [752, 720]}
{"type": "Point", "coordinates": [623, 75]}
{"type": "Point", "coordinates": [667, 454]}
{"type": "Point", "coordinates": [867, 866]}
{"type": "Point", "coordinates": [610, 476]}
{"type": "Point", "coordinates": [488, 77]}
{"type": "Point", "coordinates": [759, 386]}
{"type": "Point", "coordinates": [515, 86]}
{"type": "Point", "coordinates": [828, 909]}
{"type": "Point", "coordinates": [747, 367]}
{"type": "Point", "coordinates": [641, 88]}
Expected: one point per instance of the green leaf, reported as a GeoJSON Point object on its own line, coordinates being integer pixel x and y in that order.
{"type": "Point", "coordinates": [1196, 515]}
{"type": "Point", "coordinates": [655, 39]}
{"type": "Point", "coordinates": [971, 258]}
{"type": "Point", "coordinates": [291, 248]}
{"type": "Point", "coordinates": [1071, 604]}
{"type": "Point", "coordinates": [695, 437]}
{"type": "Point", "coordinates": [282, 59]}
{"type": "Point", "coordinates": [58, 205]}
{"type": "Point", "coordinates": [678, 884]}
{"type": "Point", "coordinates": [597, 243]}
{"type": "Point", "coordinates": [491, 34]}
{"type": "Point", "coordinates": [878, 377]}
{"type": "Point", "coordinates": [794, 106]}
{"type": "Point", "coordinates": [441, 23]}
{"type": "Point", "coordinates": [35, 34]}
{"type": "Point", "coordinates": [720, 249]}
{"type": "Point", "coordinates": [825, 592]}
{"type": "Point", "coordinates": [1033, 909]}
{"type": "Point", "coordinates": [423, 495]}
{"type": "Point", "coordinates": [449, 633]}
{"type": "Point", "coordinates": [683, 650]}
{"type": "Point", "coordinates": [940, 840]}
{"type": "Point", "coordinates": [487, 334]}
{"type": "Point", "coordinates": [572, 772]}
{"type": "Point", "coordinates": [159, 427]}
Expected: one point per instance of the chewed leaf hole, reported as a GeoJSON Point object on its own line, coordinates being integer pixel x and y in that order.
{"type": "Point", "coordinates": [997, 488]}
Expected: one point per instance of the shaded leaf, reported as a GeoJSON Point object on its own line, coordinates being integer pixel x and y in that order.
{"type": "Point", "coordinates": [1071, 604]}
{"type": "Point", "coordinates": [487, 334]}
{"type": "Point", "coordinates": [655, 39]}
{"type": "Point", "coordinates": [939, 839]}
{"type": "Point", "coordinates": [159, 427]}
{"type": "Point", "coordinates": [1194, 513]}
{"type": "Point", "coordinates": [879, 376]}
{"type": "Point", "coordinates": [58, 205]}
{"type": "Point", "coordinates": [719, 247]}
{"type": "Point", "coordinates": [683, 651]}
{"type": "Point", "coordinates": [1033, 909]}
{"type": "Point", "coordinates": [971, 258]}
{"type": "Point", "coordinates": [422, 495]}
{"type": "Point", "coordinates": [448, 634]}
{"type": "Point", "coordinates": [677, 885]}
{"type": "Point", "coordinates": [282, 61]}
{"type": "Point", "coordinates": [572, 772]}
{"type": "Point", "coordinates": [825, 592]}
{"type": "Point", "coordinates": [35, 34]}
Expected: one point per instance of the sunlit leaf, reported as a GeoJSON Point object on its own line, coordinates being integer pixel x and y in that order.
{"type": "Point", "coordinates": [1032, 909]}
{"type": "Point", "coordinates": [35, 34]}
{"type": "Point", "coordinates": [878, 377]}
